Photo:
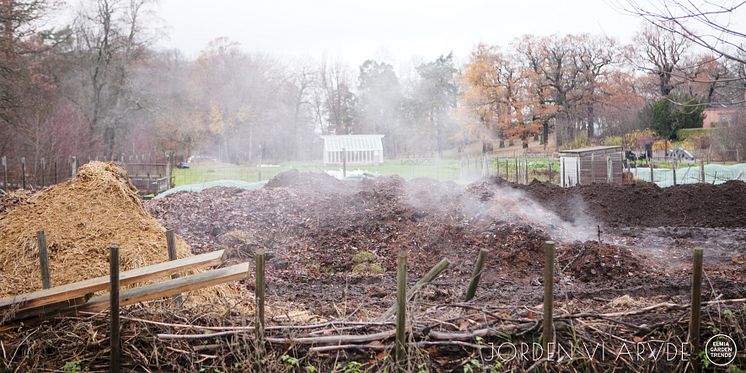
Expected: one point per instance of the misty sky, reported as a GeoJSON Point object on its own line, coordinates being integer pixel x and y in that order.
{"type": "Point", "coordinates": [391, 30]}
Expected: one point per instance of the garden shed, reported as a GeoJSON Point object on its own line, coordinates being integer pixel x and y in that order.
{"type": "Point", "coordinates": [598, 164]}
{"type": "Point", "coordinates": [354, 149]}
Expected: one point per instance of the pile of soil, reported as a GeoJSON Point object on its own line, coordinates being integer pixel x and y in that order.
{"type": "Point", "coordinates": [592, 261]}
{"type": "Point", "coordinates": [81, 218]}
{"type": "Point", "coordinates": [315, 237]}
{"type": "Point", "coordinates": [647, 205]}
{"type": "Point", "coordinates": [313, 231]}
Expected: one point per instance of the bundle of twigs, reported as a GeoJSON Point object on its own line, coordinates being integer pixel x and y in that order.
{"type": "Point", "coordinates": [443, 337]}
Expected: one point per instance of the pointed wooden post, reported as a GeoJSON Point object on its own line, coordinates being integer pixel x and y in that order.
{"type": "Point", "coordinates": [5, 172]}
{"type": "Point", "coordinates": [476, 275]}
{"type": "Point", "coordinates": [116, 347]}
{"type": "Point", "coordinates": [652, 173]}
{"type": "Point", "coordinates": [23, 172]}
{"type": "Point", "coordinates": [73, 167]}
{"type": "Point", "coordinates": [43, 172]}
{"type": "Point", "coordinates": [400, 347]}
{"type": "Point", "coordinates": [547, 335]}
{"type": "Point", "coordinates": [701, 170]}
{"type": "Point", "coordinates": [171, 246]}
{"type": "Point", "coordinates": [694, 319]}
{"type": "Point", "coordinates": [41, 239]}
{"type": "Point", "coordinates": [344, 162]}
{"type": "Point", "coordinates": [55, 171]}
{"type": "Point", "coordinates": [259, 296]}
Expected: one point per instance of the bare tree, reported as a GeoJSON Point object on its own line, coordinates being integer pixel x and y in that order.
{"type": "Point", "coordinates": [706, 23]}
{"type": "Point", "coordinates": [659, 52]}
{"type": "Point", "coordinates": [109, 41]}
{"type": "Point", "coordinates": [337, 115]}
{"type": "Point", "coordinates": [594, 56]}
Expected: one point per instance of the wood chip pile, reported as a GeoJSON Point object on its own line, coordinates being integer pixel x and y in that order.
{"type": "Point", "coordinates": [81, 217]}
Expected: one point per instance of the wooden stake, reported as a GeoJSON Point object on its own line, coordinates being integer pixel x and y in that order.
{"type": "Point", "coordinates": [259, 296]}
{"type": "Point", "coordinates": [23, 172]}
{"type": "Point", "coordinates": [476, 275]}
{"type": "Point", "coordinates": [696, 308]}
{"type": "Point", "coordinates": [344, 162]}
{"type": "Point", "coordinates": [43, 172]}
{"type": "Point", "coordinates": [701, 170]}
{"type": "Point", "coordinates": [171, 245]}
{"type": "Point", "coordinates": [55, 171]}
{"type": "Point", "coordinates": [116, 347]}
{"type": "Point", "coordinates": [547, 335]}
{"type": "Point", "coordinates": [41, 238]}
{"type": "Point", "coordinates": [74, 167]}
{"type": "Point", "coordinates": [5, 173]}
{"type": "Point", "coordinates": [652, 174]}
{"type": "Point", "coordinates": [401, 309]}
{"type": "Point", "coordinates": [549, 163]}
{"type": "Point", "coordinates": [673, 169]}
{"type": "Point", "coordinates": [429, 276]}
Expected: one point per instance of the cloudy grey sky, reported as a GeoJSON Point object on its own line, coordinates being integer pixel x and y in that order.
{"type": "Point", "coordinates": [386, 29]}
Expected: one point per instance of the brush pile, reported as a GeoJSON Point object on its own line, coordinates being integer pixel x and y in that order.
{"type": "Point", "coordinates": [81, 218]}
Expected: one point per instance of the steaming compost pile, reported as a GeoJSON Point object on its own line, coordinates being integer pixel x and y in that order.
{"type": "Point", "coordinates": [81, 218]}
{"type": "Point", "coordinates": [622, 272]}
{"type": "Point", "coordinates": [322, 232]}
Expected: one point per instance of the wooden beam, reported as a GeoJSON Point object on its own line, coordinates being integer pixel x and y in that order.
{"type": "Point", "coordinates": [169, 287]}
{"type": "Point", "coordinates": [79, 289]}
{"type": "Point", "coordinates": [49, 309]}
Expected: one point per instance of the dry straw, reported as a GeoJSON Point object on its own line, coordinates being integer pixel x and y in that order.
{"type": "Point", "coordinates": [81, 217]}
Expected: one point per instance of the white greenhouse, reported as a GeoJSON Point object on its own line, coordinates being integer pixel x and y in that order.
{"type": "Point", "coordinates": [355, 149]}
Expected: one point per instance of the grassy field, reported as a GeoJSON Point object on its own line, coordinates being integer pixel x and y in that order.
{"type": "Point", "coordinates": [454, 170]}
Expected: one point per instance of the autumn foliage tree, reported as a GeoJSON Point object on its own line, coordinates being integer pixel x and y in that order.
{"type": "Point", "coordinates": [497, 91]}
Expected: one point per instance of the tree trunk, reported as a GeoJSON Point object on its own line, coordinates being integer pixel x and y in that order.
{"type": "Point", "coordinates": [545, 133]}
{"type": "Point", "coordinates": [109, 137]}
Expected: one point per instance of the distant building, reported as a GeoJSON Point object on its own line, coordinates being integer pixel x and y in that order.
{"type": "Point", "coordinates": [355, 149]}
{"type": "Point", "coordinates": [598, 164]}
{"type": "Point", "coordinates": [718, 115]}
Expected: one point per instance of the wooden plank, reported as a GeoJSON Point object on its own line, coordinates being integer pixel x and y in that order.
{"type": "Point", "coordinates": [169, 287]}
{"type": "Point", "coordinates": [78, 289]}
{"type": "Point", "coordinates": [49, 309]}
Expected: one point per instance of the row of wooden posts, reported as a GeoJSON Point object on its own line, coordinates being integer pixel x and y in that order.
{"type": "Point", "coordinates": [520, 172]}
{"type": "Point", "coordinates": [673, 169]}
{"type": "Point", "coordinates": [402, 295]}
{"type": "Point", "coordinates": [41, 181]}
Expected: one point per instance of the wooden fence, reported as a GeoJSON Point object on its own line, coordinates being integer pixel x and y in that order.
{"type": "Point", "coordinates": [152, 173]}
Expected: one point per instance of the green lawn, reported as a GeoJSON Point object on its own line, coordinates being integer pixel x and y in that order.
{"type": "Point", "coordinates": [454, 170]}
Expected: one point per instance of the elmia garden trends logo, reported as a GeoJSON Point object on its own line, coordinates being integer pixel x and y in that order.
{"type": "Point", "coordinates": [721, 350]}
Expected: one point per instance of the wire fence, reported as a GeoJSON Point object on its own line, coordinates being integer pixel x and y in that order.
{"type": "Point", "coordinates": [709, 174]}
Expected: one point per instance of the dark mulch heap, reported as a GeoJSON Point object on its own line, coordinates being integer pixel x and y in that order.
{"type": "Point", "coordinates": [691, 205]}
